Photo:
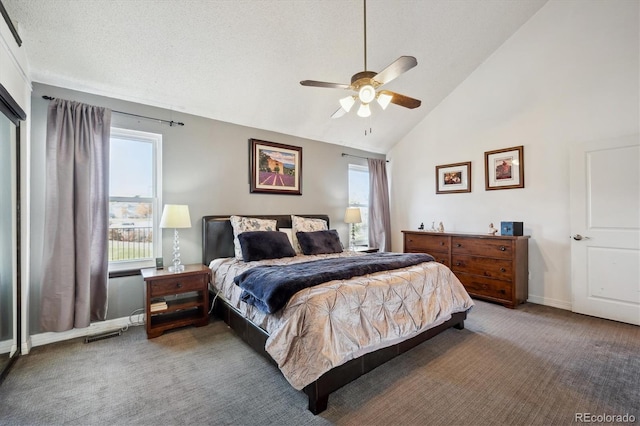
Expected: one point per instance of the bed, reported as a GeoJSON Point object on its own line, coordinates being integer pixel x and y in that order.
{"type": "Point", "coordinates": [352, 341]}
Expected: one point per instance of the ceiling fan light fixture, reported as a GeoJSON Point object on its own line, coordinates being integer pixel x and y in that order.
{"type": "Point", "coordinates": [367, 93]}
{"type": "Point", "coordinates": [384, 100]}
{"type": "Point", "coordinates": [347, 103]}
{"type": "Point", "coordinates": [364, 110]}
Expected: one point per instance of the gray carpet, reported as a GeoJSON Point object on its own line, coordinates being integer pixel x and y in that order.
{"type": "Point", "coordinates": [533, 365]}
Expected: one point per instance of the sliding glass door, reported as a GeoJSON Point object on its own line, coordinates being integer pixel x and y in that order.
{"type": "Point", "coordinates": [10, 117]}
{"type": "Point", "coordinates": [8, 242]}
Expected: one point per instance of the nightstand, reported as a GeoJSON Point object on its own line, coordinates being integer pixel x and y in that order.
{"type": "Point", "coordinates": [365, 249]}
{"type": "Point", "coordinates": [185, 293]}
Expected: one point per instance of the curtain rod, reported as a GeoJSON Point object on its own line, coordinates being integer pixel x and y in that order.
{"type": "Point", "coordinates": [171, 122]}
{"type": "Point", "coordinates": [357, 156]}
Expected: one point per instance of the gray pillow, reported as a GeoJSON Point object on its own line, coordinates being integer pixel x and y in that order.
{"type": "Point", "coordinates": [320, 242]}
{"type": "Point", "coordinates": [260, 245]}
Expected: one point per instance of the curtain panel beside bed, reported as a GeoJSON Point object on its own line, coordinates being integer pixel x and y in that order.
{"type": "Point", "coordinates": [74, 287]}
{"type": "Point", "coordinates": [379, 212]}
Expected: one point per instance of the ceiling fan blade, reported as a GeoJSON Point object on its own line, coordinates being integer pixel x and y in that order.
{"type": "Point", "coordinates": [339, 113]}
{"type": "Point", "coordinates": [314, 83]}
{"type": "Point", "coordinates": [401, 65]}
{"type": "Point", "coordinates": [402, 100]}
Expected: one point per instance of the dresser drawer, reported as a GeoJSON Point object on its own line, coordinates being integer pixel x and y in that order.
{"type": "Point", "coordinates": [441, 257]}
{"type": "Point", "coordinates": [482, 247]}
{"type": "Point", "coordinates": [483, 286]}
{"type": "Point", "coordinates": [485, 266]}
{"type": "Point", "coordinates": [175, 285]}
{"type": "Point", "coordinates": [423, 243]}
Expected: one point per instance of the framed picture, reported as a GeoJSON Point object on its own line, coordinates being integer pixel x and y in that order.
{"type": "Point", "coordinates": [275, 168]}
{"type": "Point", "coordinates": [453, 178]}
{"type": "Point", "coordinates": [504, 168]}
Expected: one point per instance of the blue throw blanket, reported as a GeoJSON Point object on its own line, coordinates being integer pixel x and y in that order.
{"type": "Point", "coordinates": [269, 287]}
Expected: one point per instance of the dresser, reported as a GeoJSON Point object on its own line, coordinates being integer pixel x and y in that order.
{"type": "Point", "coordinates": [493, 268]}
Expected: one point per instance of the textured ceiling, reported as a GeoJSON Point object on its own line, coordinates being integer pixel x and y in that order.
{"type": "Point", "coordinates": [241, 61]}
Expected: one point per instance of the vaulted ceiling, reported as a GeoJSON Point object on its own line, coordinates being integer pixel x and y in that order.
{"type": "Point", "coordinates": [241, 61]}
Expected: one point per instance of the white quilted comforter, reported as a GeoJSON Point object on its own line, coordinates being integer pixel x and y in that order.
{"type": "Point", "coordinates": [325, 326]}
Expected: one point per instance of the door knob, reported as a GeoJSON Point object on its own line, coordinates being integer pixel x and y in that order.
{"type": "Point", "coordinates": [579, 237]}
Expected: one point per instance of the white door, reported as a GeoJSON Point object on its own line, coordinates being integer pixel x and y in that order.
{"type": "Point", "coordinates": [605, 229]}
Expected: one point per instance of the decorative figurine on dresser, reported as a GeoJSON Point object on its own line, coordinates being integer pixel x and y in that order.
{"type": "Point", "coordinates": [491, 267]}
{"type": "Point", "coordinates": [492, 230]}
{"type": "Point", "coordinates": [441, 227]}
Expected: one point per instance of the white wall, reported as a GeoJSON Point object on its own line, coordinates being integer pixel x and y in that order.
{"type": "Point", "coordinates": [570, 74]}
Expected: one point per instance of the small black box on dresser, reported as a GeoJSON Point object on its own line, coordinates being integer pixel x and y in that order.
{"type": "Point", "coordinates": [511, 228]}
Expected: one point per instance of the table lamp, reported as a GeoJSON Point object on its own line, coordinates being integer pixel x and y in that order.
{"type": "Point", "coordinates": [175, 216]}
{"type": "Point", "coordinates": [352, 216]}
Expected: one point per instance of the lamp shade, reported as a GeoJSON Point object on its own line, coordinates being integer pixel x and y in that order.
{"type": "Point", "coordinates": [347, 103]}
{"type": "Point", "coordinates": [352, 215]}
{"type": "Point", "coordinates": [384, 100]}
{"type": "Point", "coordinates": [175, 216]}
{"type": "Point", "coordinates": [364, 110]}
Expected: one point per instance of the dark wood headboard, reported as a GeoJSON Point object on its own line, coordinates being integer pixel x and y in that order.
{"type": "Point", "coordinates": [217, 233]}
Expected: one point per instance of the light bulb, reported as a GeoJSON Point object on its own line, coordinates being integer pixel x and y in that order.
{"type": "Point", "coordinates": [347, 103]}
{"type": "Point", "coordinates": [364, 110]}
{"type": "Point", "coordinates": [384, 100]}
{"type": "Point", "coordinates": [367, 93]}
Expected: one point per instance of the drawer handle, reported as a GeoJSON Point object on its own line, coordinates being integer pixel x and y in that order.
{"type": "Point", "coordinates": [502, 248]}
{"type": "Point", "coordinates": [503, 270]}
{"type": "Point", "coordinates": [458, 245]}
{"type": "Point", "coordinates": [458, 263]}
{"type": "Point", "coordinates": [441, 243]}
{"type": "Point", "coordinates": [179, 285]}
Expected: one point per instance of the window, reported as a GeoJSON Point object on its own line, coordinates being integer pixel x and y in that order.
{"type": "Point", "coordinates": [359, 197]}
{"type": "Point", "coordinates": [134, 199]}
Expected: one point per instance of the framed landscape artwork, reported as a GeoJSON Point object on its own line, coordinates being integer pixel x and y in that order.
{"type": "Point", "coordinates": [453, 178]}
{"type": "Point", "coordinates": [275, 168]}
{"type": "Point", "coordinates": [504, 168]}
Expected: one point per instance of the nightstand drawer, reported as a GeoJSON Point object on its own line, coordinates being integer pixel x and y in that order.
{"type": "Point", "coordinates": [485, 266]}
{"type": "Point", "coordinates": [175, 285]}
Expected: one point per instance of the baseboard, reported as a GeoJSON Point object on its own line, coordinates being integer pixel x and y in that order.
{"type": "Point", "coordinates": [95, 328]}
{"type": "Point", "coordinates": [26, 346]}
{"type": "Point", "coordinates": [554, 303]}
{"type": "Point", "coordinates": [6, 347]}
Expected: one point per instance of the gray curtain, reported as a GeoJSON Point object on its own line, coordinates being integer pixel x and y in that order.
{"type": "Point", "coordinates": [74, 286]}
{"type": "Point", "coordinates": [379, 215]}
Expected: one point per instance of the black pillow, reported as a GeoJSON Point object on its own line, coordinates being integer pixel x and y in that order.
{"type": "Point", "coordinates": [319, 242]}
{"type": "Point", "coordinates": [260, 245]}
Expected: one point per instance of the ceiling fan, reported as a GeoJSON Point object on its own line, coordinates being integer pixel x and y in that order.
{"type": "Point", "coordinates": [366, 84]}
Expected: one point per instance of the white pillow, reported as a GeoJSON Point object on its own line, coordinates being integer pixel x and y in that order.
{"type": "Point", "coordinates": [242, 224]}
{"type": "Point", "coordinates": [304, 224]}
{"type": "Point", "coordinates": [289, 233]}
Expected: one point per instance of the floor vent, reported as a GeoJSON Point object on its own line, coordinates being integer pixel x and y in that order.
{"type": "Point", "coordinates": [102, 336]}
